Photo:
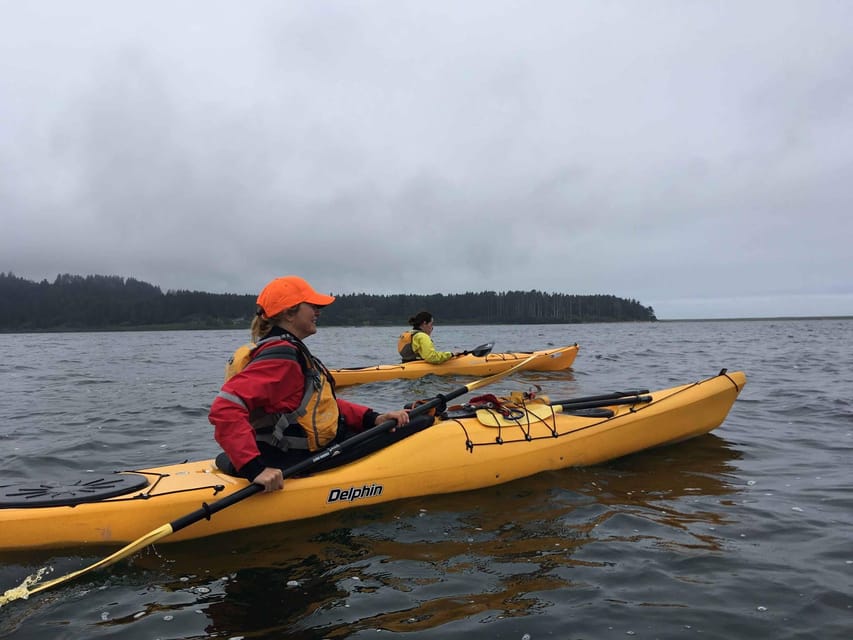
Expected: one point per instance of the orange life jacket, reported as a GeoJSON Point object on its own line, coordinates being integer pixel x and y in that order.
{"type": "Point", "coordinates": [404, 345]}
{"type": "Point", "coordinates": [317, 413]}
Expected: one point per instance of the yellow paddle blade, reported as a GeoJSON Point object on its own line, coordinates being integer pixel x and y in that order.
{"type": "Point", "coordinates": [24, 591]}
{"type": "Point", "coordinates": [482, 382]}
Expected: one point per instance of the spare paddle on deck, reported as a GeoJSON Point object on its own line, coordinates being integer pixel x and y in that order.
{"type": "Point", "coordinates": [603, 396]}
{"type": "Point", "coordinates": [568, 405]}
{"type": "Point", "coordinates": [634, 396]}
{"type": "Point", "coordinates": [207, 510]}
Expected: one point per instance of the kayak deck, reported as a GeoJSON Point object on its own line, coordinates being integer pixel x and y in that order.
{"type": "Point", "coordinates": [557, 359]}
{"type": "Point", "coordinates": [455, 454]}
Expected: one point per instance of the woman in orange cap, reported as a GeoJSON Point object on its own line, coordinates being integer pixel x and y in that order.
{"type": "Point", "coordinates": [281, 407]}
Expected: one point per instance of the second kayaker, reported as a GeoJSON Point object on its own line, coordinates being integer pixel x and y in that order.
{"type": "Point", "coordinates": [416, 344]}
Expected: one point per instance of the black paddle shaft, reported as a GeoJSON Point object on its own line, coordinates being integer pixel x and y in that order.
{"type": "Point", "coordinates": [590, 404]}
{"type": "Point", "coordinates": [603, 396]}
{"type": "Point", "coordinates": [207, 510]}
{"type": "Point", "coordinates": [439, 402]}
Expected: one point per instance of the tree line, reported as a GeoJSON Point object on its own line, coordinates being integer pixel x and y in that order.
{"type": "Point", "coordinates": [102, 303]}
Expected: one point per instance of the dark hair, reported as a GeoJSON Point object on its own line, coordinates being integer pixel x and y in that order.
{"type": "Point", "coordinates": [418, 319]}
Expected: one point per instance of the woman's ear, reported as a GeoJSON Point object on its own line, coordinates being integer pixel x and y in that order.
{"type": "Point", "coordinates": [292, 311]}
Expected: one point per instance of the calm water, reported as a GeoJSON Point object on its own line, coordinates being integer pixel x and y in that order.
{"type": "Point", "coordinates": [746, 532]}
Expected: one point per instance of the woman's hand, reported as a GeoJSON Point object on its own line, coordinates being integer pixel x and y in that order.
{"type": "Point", "coordinates": [271, 479]}
{"type": "Point", "coordinates": [401, 417]}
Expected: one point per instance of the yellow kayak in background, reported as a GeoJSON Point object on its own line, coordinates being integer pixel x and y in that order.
{"type": "Point", "coordinates": [468, 447]}
{"type": "Point", "coordinates": [556, 359]}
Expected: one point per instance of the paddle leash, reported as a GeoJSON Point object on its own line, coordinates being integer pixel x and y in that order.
{"type": "Point", "coordinates": [31, 586]}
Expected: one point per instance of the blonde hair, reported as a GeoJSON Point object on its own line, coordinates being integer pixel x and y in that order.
{"type": "Point", "coordinates": [261, 325]}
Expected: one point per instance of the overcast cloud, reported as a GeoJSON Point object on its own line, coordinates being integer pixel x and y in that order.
{"type": "Point", "coordinates": [694, 155]}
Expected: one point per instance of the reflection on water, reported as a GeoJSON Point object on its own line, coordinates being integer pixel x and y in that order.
{"type": "Point", "coordinates": [421, 564]}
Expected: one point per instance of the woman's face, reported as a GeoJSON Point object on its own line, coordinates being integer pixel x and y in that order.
{"type": "Point", "coordinates": [427, 327]}
{"type": "Point", "coordinates": [303, 322]}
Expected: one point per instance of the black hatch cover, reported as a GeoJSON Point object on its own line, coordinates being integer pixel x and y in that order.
{"type": "Point", "coordinates": [60, 493]}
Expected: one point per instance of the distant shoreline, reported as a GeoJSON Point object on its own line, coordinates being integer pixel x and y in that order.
{"type": "Point", "coordinates": [756, 319]}
{"type": "Point", "coordinates": [380, 326]}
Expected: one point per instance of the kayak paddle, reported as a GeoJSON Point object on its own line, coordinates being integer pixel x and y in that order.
{"type": "Point", "coordinates": [482, 350]}
{"type": "Point", "coordinates": [592, 404]}
{"type": "Point", "coordinates": [604, 396]}
{"type": "Point", "coordinates": [207, 510]}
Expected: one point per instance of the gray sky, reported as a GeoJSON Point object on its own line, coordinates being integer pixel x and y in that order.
{"type": "Point", "coordinates": [696, 156]}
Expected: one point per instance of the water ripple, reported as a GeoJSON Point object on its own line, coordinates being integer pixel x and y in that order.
{"type": "Point", "coordinates": [744, 532]}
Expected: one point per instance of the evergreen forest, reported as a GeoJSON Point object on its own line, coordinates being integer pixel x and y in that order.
{"type": "Point", "coordinates": [108, 303]}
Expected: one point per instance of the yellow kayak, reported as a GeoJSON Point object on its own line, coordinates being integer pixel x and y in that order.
{"type": "Point", "coordinates": [468, 447]}
{"type": "Point", "coordinates": [556, 359]}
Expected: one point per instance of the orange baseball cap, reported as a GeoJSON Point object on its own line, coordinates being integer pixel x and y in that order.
{"type": "Point", "coordinates": [288, 291]}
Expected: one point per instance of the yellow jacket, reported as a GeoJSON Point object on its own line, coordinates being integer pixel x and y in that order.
{"type": "Point", "coordinates": [422, 345]}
